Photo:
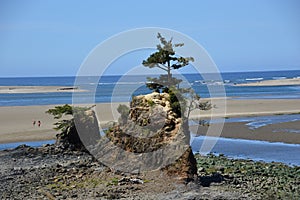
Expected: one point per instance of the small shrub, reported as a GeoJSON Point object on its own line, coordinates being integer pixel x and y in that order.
{"type": "Point", "coordinates": [150, 102]}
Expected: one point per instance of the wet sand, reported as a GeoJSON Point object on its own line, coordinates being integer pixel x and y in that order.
{"type": "Point", "coordinates": [272, 133]}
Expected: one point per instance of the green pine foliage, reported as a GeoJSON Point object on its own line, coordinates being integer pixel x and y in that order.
{"type": "Point", "coordinates": [65, 111]}
{"type": "Point", "coordinates": [165, 59]}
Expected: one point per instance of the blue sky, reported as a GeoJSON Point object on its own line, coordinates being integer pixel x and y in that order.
{"type": "Point", "coordinates": [52, 38]}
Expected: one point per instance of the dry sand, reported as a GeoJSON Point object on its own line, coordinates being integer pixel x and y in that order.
{"type": "Point", "coordinates": [16, 124]}
{"type": "Point", "coordinates": [291, 81]}
{"type": "Point", "coordinates": [16, 121]}
{"type": "Point", "coordinates": [37, 89]}
{"type": "Point", "coordinates": [235, 107]}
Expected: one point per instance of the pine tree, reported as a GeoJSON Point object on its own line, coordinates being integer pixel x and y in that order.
{"type": "Point", "coordinates": [183, 100]}
{"type": "Point", "coordinates": [165, 59]}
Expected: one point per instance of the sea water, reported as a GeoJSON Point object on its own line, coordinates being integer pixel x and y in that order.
{"type": "Point", "coordinates": [233, 148]}
{"type": "Point", "coordinates": [134, 85]}
{"type": "Point", "coordinates": [251, 149]}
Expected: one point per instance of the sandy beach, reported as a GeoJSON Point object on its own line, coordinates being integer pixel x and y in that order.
{"type": "Point", "coordinates": [16, 121]}
{"type": "Point", "coordinates": [37, 89]}
{"type": "Point", "coordinates": [249, 107]}
{"type": "Point", "coordinates": [279, 82]}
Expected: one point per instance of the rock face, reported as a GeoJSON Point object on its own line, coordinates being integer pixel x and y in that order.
{"type": "Point", "coordinates": [82, 132]}
{"type": "Point", "coordinates": [153, 138]}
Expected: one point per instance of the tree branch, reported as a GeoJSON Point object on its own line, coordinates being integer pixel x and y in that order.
{"type": "Point", "coordinates": [165, 69]}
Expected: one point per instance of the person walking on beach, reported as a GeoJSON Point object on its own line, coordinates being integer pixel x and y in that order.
{"type": "Point", "coordinates": [39, 123]}
{"type": "Point", "coordinates": [33, 123]}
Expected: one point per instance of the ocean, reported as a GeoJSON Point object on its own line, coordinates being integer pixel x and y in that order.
{"type": "Point", "coordinates": [136, 84]}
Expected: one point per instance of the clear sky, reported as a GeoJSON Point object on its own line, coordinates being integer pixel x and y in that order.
{"type": "Point", "coordinates": [53, 37]}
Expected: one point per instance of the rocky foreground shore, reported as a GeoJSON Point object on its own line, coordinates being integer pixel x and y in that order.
{"type": "Point", "coordinates": [52, 173]}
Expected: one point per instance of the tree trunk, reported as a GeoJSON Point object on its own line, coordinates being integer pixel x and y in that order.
{"type": "Point", "coordinates": [169, 74]}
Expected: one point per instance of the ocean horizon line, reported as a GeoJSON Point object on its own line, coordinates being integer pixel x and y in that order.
{"type": "Point", "coordinates": [71, 76]}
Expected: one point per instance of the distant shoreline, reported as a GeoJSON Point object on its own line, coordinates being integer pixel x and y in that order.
{"type": "Point", "coordinates": [279, 82]}
{"type": "Point", "coordinates": [37, 89]}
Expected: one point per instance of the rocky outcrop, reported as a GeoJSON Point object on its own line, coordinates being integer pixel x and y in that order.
{"type": "Point", "coordinates": [82, 132]}
{"type": "Point", "coordinates": [153, 138]}
{"type": "Point", "coordinates": [185, 167]}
